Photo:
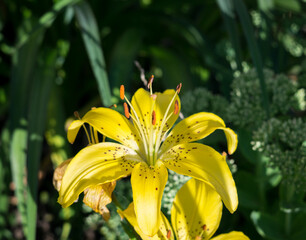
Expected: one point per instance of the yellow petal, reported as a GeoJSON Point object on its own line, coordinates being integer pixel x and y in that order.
{"type": "Point", "coordinates": [111, 124]}
{"type": "Point", "coordinates": [98, 196]}
{"type": "Point", "coordinates": [73, 130]}
{"type": "Point", "coordinates": [196, 211]}
{"type": "Point", "coordinates": [231, 236]}
{"type": "Point", "coordinates": [164, 231]}
{"type": "Point", "coordinates": [94, 165]}
{"type": "Point", "coordinates": [143, 105]}
{"type": "Point", "coordinates": [204, 163]}
{"type": "Point", "coordinates": [148, 184]}
{"type": "Point", "coordinates": [196, 127]}
{"type": "Point", "coordinates": [59, 173]}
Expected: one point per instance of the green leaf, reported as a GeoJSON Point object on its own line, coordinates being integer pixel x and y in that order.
{"type": "Point", "coordinates": [4, 180]}
{"type": "Point", "coordinates": [90, 34]}
{"type": "Point", "coordinates": [39, 96]}
{"type": "Point", "coordinates": [265, 5]}
{"type": "Point", "coordinates": [23, 66]}
{"type": "Point", "coordinates": [227, 7]}
{"type": "Point", "coordinates": [47, 19]}
{"type": "Point", "coordinates": [253, 48]}
{"type": "Point", "coordinates": [268, 226]}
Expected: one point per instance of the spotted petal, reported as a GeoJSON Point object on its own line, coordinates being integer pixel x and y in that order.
{"type": "Point", "coordinates": [143, 105]}
{"type": "Point", "coordinates": [196, 127]}
{"type": "Point", "coordinates": [94, 165]}
{"type": "Point", "coordinates": [231, 236]}
{"type": "Point", "coordinates": [164, 231]}
{"type": "Point", "coordinates": [204, 163]}
{"type": "Point", "coordinates": [148, 184]}
{"type": "Point", "coordinates": [109, 123]}
{"type": "Point", "coordinates": [196, 211]}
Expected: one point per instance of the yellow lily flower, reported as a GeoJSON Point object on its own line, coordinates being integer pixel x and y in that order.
{"type": "Point", "coordinates": [195, 214]}
{"type": "Point", "coordinates": [145, 150]}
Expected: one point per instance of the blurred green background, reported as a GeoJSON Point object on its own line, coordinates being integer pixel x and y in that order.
{"type": "Point", "coordinates": [243, 60]}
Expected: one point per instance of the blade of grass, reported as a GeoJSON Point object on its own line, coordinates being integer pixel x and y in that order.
{"type": "Point", "coordinates": [253, 48]}
{"type": "Point", "coordinates": [24, 59]}
{"type": "Point", "coordinates": [90, 34]}
{"type": "Point", "coordinates": [228, 14]}
{"type": "Point", "coordinates": [4, 182]}
{"type": "Point", "coordinates": [39, 97]}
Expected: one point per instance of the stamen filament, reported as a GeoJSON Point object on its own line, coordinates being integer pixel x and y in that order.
{"type": "Point", "coordinates": [92, 135]}
{"type": "Point", "coordinates": [76, 114]}
{"type": "Point", "coordinates": [158, 139]}
{"type": "Point", "coordinates": [137, 121]}
{"type": "Point", "coordinates": [87, 134]}
{"type": "Point", "coordinates": [96, 138]}
{"type": "Point", "coordinates": [161, 137]}
{"type": "Point", "coordinates": [151, 154]}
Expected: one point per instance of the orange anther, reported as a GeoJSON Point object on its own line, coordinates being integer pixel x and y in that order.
{"type": "Point", "coordinates": [150, 81]}
{"type": "Point", "coordinates": [204, 227]}
{"type": "Point", "coordinates": [178, 88]}
{"type": "Point", "coordinates": [169, 234]}
{"type": "Point", "coordinates": [153, 117]}
{"type": "Point", "coordinates": [122, 92]}
{"type": "Point", "coordinates": [198, 238]}
{"type": "Point", "coordinates": [176, 107]}
{"type": "Point", "coordinates": [126, 110]}
{"type": "Point", "coordinates": [93, 108]}
{"type": "Point", "coordinates": [114, 105]}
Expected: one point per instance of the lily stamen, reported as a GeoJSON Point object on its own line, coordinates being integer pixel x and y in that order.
{"type": "Point", "coordinates": [126, 110]}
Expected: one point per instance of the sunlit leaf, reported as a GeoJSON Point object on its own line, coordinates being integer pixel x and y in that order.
{"type": "Point", "coordinates": [90, 34]}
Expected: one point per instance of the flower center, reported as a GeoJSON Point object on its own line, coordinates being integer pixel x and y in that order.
{"type": "Point", "coordinates": [151, 132]}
